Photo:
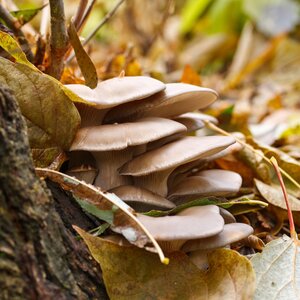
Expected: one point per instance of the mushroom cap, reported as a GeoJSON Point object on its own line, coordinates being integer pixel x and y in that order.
{"type": "Point", "coordinates": [121, 136]}
{"type": "Point", "coordinates": [85, 173]}
{"type": "Point", "coordinates": [176, 153]}
{"type": "Point", "coordinates": [141, 199]}
{"type": "Point", "coordinates": [192, 223]}
{"type": "Point", "coordinates": [118, 90]}
{"type": "Point", "coordinates": [194, 121]}
{"type": "Point", "coordinates": [176, 99]}
{"type": "Point", "coordinates": [231, 233]}
{"type": "Point", "coordinates": [207, 183]}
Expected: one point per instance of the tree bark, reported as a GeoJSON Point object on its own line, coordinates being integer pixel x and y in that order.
{"type": "Point", "coordinates": [40, 256]}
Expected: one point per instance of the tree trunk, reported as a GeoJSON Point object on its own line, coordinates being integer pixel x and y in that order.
{"type": "Point", "coordinates": [40, 256]}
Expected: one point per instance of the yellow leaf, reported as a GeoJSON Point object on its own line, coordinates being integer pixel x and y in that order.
{"type": "Point", "coordinates": [132, 273]}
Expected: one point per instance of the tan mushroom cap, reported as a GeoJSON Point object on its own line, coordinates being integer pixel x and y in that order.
{"type": "Point", "coordinates": [176, 99]}
{"type": "Point", "coordinates": [176, 153]}
{"type": "Point", "coordinates": [231, 233]}
{"type": "Point", "coordinates": [118, 90]}
{"type": "Point", "coordinates": [194, 121]}
{"type": "Point", "coordinates": [121, 136]}
{"type": "Point", "coordinates": [141, 199]}
{"type": "Point", "coordinates": [192, 223]}
{"type": "Point", "coordinates": [85, 173]}
{"type": "Point", "coordinates": [206, 183]}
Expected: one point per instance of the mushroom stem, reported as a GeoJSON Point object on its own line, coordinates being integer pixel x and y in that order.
{"type": "Point", "coordinates": [108, 163]}
{"type": "Point", "coordinates": [90, 116]}
{"type": "Point", "coordinates": [155, 182]}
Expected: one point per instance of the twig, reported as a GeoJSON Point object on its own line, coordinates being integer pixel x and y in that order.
{"type": "Point", "coordinates": [80, 13]}
{"type": "Point", "coordinates": [86, 15]}
{"type": "Point", "coordinates": [103, 22]}
{"type": "Point", "coordinates": [285, 196]}
{"type": "Point", "coordinates": [15, 26]}
{"type": "Point", "coordinates": [58, 38]}
{"type": "Point", "coordinates": [216, 128]}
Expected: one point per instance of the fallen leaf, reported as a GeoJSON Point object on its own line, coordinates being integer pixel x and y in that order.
{"type": "Point", "coordinates": [277, 270]}
{"type": "Point", "coordinates": [240, 204]}
{"type": "Point", "coordinates": [10, 45]}
{"type": "Point", "coordinates": [85, 63]}
{"type": "Point", "coordinates": [43, 158]}
{"type": "Point", "coordinates": [285, 161]}
{"type": "Point", "coordinates": [273, 194]}
{"type": "Point", "coordinates": [132, 273]}
{"type": "Point", "coordinates": [190, 76]}
{"type": "Point", "coordinates": [26, 15]}
{"type": "Point", "coordinates": [52, 118]}
{"type": "Point", "coordinates": [108, 207]}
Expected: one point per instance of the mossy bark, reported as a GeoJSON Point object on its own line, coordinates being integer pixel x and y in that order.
{"type": "Point", "coordinates": [40, 256]}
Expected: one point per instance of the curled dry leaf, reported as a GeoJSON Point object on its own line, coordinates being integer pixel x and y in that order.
{"type": "Point", "coordinates": [132, 273]}
{"type": "Point", "coordinates": [273, 195]}
{"type": "Point", "coordinates": [108, 206]}
{"type": "Point", "coordinates": [277, 270]}
{"type": "Point", "coordinates": [84, 61]}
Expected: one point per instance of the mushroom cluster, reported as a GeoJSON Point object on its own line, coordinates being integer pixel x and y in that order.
{"type": "Point", "coordinates": [136, 140]}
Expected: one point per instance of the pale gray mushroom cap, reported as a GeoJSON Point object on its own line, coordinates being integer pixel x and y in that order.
{"type": "Point", "coordinates": [194, 121]}
{"type": "Point", "coordinates": [231, 233]}
{"type": "Point", "coordinates": [176, 99]}
{"type": "Point", "coordinates": [141, 199]}
{"type": "Point", "coordinates": [176, 153]}
{"type": "Point", "coordinates": [206, 183]}
{"type": "Point", "coordinates": [118, 90]}
{"type": "Point", "coordinates": [121, 136]}
{"type": "Point", "coordinates": [192, 223]}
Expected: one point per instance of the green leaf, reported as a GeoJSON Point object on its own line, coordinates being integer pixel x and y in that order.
{"type": "Point", "coordinates": [11, 46]}
{"type": "Point", "coordinates": [26, 15]}
{"type": "Point", "coordinates": [84, 61]}
{"type": "Point", "coordinates": [132, 273]}
{"type": "Point", "coordinates": [273, 194]}
{"type": "Point", "coordinates": [277, 270]}
{"type": "Point", "coordinates": [228, 204]}
{"type": "Point", "coordinates": [104, 215]}
{"type": "Point", "coordinates": [51, 116]}
{"type": "Point", "coordinates": [191, 11]}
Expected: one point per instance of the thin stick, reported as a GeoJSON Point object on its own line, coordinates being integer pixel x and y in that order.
{"type": "Point", "coordinates": [15, 26]}
{"type": "Point", "coordinates": [58, 38]}
{"type": "Point", "coordinates": [80, 13]}
{"type": "Point", "coordinates": [216, 128]}
{"type": "Point", "coordinates": [285, 196]}
{"type": "Point", "coordinates": [103, 22]}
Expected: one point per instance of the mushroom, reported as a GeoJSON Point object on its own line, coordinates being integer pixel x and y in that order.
{"type": "Point", "coordinates": [196, 222]}
{"type": "Point", "coordinates": [85, 173]}
{"type": "Point", "coordinates": [194, 120]}
{"type": "Point", "coordinates": [176, 99]}
{"type": "Point", "coordinates": [192, 167]}
{"type": "Point", "coordinates": [141, 200]}
{"type": "Point", "coordinates": [205, 183]}
{"type": "Point", "coordinates": [152, 169]}
{"type": "Point", "coordinates": [231, 233]}
{"type": "Point", "coordinates": [199, 248]}
{"type": "Point", "coordinates": [112, 145]}
{"type": "Point", "coordinates": [110, 93]}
